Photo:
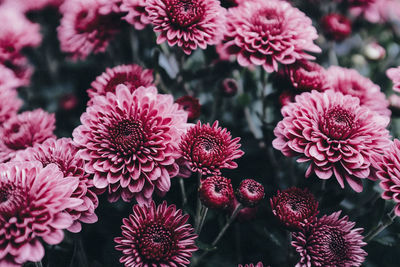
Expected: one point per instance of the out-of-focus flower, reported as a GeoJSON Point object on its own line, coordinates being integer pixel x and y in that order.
{"type": "Point", "coordinates": [137, 14]}
{"type": "Point", "coordinates": [388, 168]}
{"type": "Point", "coordinates": [64, 154]}
{"type": "Point", "coordinates": [229, 87]}
{"type": "Point", "coordinates": [286, 97]}
{"type": "Point", "coordinates": [336, 26]}
{"type": "Point", "coordinates": [9, 104]}
{"type": "Point", "coordinates": [25, 130]}
{"type": "Point", "coordinates": [156, 236]}
{"type": "Point", "coordinates": [26, 6]}
{"type": "Point", "coordinates": [130, 142]}
{"type": "Point", "coordinates": [68, 102]}
{"type": "Point", "coordinates": [350, 82]}
{"type": "Point", "coordinates": [334, 133]}
{"type": "Point", "coordinates": [376, 11]}
{"type": "Point", "coordinates": [8, 80]}
{"type": "Point", "coordinates": [307, 76]}
{"type": "Point", "coordinates": [295, 208]}
{"type": "Point", "coordinates": [374, 51]}
{"type": "Point", "coordinates": [216, 192]}
{"type": "Point", "coordinates": [208, 149]}
{"type": "Point", "coordinates": [132, 76]}
{"type": "Point", "coordinates": [395, 104]}
{"type": "Point", "coordinates": [83, 29]}
{"type": "Point", "coordinates": [189, 24]}
{"type": "Point", "coordinates": [394, 75]}
{"type": "Point", "coordinates": [259, 264]}
{"type": "Point", "coordinates": [266, 33]}
{"type": "Point", "coordinates": [250, 193]}
{"type": "Point", "coordinates": [32, 208]}
{"type": "Point", "coordinates": [191, 105]}
{"type": "Point", "coordinates": [330, 242]}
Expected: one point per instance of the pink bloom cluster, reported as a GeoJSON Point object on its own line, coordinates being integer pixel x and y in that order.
{"type": "Point", "coordinates": [137, 14]}
{"type": "Point", "coordinates": [267, 33]}
{"type": "Point", "coordinates": [394, 75]}
{"type": "Point", "coordinates": [334, 133]}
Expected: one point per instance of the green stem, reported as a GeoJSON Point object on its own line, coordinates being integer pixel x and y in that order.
{"type": "Point", "coordinates": [203, 214]}
{"type": "Point", "coordinates": [38, 264]}
{"type": "Point", "coordinates": [184, 197]}
{"type": "Point", "coordinates": [198, 207]}
{"type": "Point", "coordinates": [389, 219]}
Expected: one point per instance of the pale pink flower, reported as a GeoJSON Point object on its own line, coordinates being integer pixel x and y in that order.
{"type": "Point", "coordinates": [25, 130]}
{"type": "Point", "coordinates": [33, 201]}
{"type": "Point", "coordinates": [267, 33]}
{"type": "Point", "coordinates": [9, 104]}
{"type": "Point", "coordinates": [394, 75]}
{"type": "Point", "coordinates": [334, 133]}
{"type": "Point", "coordinates": [130, 142]}
{"type": "Point", "coordinates": [64, 154]}
{"type": "Point", "coordinates": [350, 82]}
{"type": "Point", "coordinates": [137, 14]}
{"type": "Point", "coordinates": [188, 24]}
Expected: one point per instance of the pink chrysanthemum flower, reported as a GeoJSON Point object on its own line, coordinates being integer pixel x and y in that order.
{"type": "Point", "coordinates": [295, 208]}
{"type": "Point", "coordinates": [334, 133]}
{"type": "Point", "coordinates": [64, 154]}
{"type": "Point", "coordinates": [189, 24]}
{"type": "Point", "coordinates": [191, 105]}
{"type": "Point", "coordinates": [388, 168]}
{"type": "Point", "coordinates": [394, 75]}
{"type": "Point", "coordinates": [376, 11]}
{"type": "Point", "coordinates": [307, 76]}
{"type": "Point", "coordinates": [26, 6]}
{"type": "Point", "coordinates": [83, 29]}
{"type": "Point", "coordinates": [9, 104]}
{"type": "Point", "coordinates": [156, 236]}
{"type": "Point", "coordinates": [16, 33]}
{"type": "Point", "coordinates": [259, 264]}
{"type": "Point", "coordinates": [250, 193]}
{"type": "Point", "coordinates": [208, 149]}
{"type": "Point", "coordinates": [336, 26]}
{"type": "Point", "coordinates": [33, 201]}
{"type": "Point", "coordinates": [25, 130]}
{"type": "Point", "coordinates": [133, 76]}
{"type": "Point", "coordinates": [266, 33]}
{"type": "Point", "coordinates": [137, 14]}
{"type": "Point", "coordinates": [216, 192]}
{"type": "Point", "coordinates": [130, 142]}
{"type": "Point", "coordinates": [330, 242]}
{"type": "Point", "coordinates": [350, 82]}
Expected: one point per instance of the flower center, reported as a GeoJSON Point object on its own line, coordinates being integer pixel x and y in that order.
{"type": "Point", "coordinates": [184, 13]}
{"type": "Point", "coordinates": [335, 245]}
{"type": "Point", "coordinates": [338, 123]}
{"type": "Point", "coordinates": [268, 22]}
{"type": "Point", "coordinates": [12, 198]}
{"type": "Point", "coordinates": [205, 147]}
{"type": "Point", "coordinates": [128, 136]}
{"type": "Point", "coordinates": [156, 242]}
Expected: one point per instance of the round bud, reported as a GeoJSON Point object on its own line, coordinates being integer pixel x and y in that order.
{"type": "Point", "coordinates": [250, 193]}
{"type": "Point", "coordinates": [336, 27]}
{"type": "Point", "coordinates": [216, 192]}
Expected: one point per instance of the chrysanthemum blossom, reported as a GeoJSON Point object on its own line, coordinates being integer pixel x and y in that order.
{"type": "Point", "coordinates": [130, 142]}
{"type": "Point", "coordinates": [350, 82]}
{"type": "Point", "coordinates": [137, 14]}
{"type": "Point", "coordinates": [83, 29]}
{"type": "Point", "coordinates": [156, 236]}
{"type": "Point", "coordinates": [188, 24]}
{"type": "Point", "coordinates": [394, 75]}
{"type": "Point", "coordinates": [376, 11]}
{"type": "Point", "coordinates": [26, 6]}
{"type": "Point", "coordinates": [9, 104]}
{"type": "Point", "coordinates": [307, 76]}
{"type": "Point", "coordinates": [334, 133]}
{"type": "Point", "coordinates": [16, 33]}
{"type": "Point", "coordinates": [133, 76]}
{"type": "Point", "coordinates": [208, 149]}
{"type": "Point", "coordinates": [25, 130]}
{"type": "Point", "coordinates": [336, 26]}
{"type": "Point", "coordinates": [266, 33]}
{"type": "Point", "coordinates": [295, 208]}
{"type": "Point", "coordinates": [191, 105]}
{"type": "Point", "coordinates": [64, 154]}
{"type": "Point", "coordinates": [388, 169]}
{"type": "Point", "coordinates": [32, 208]}
{"type": "Point", "coordinates": [216, 192]}
{"type": "Point", "coordinates": [330, 242]}
{"type": "Point", "coordinates": [8, 80]}
{"type": "Point", "coordinates": [250, 193]}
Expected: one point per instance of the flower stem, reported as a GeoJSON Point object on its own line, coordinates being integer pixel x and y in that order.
{"type": "Point", "coordinates": [221, 233]}
{"type": "Point", "coordinates": [389, 219]}
{"type": "Point", "coordinates": [38, 264]}
{"type": "Point", "coordinates": [203, 214]}
{"type": "Point", "coordinates": [198, 207]}
{"type": "Point", "coordinates": [184, 197]}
